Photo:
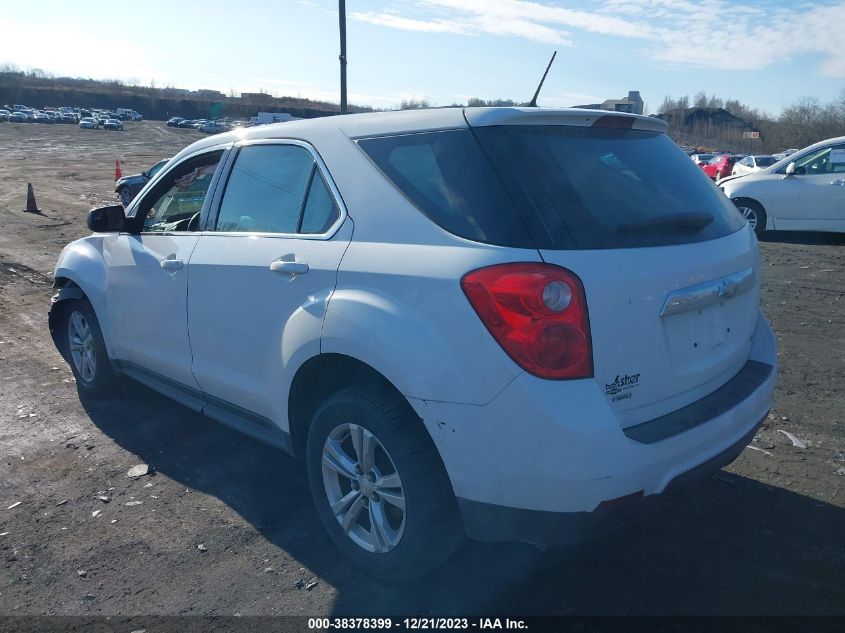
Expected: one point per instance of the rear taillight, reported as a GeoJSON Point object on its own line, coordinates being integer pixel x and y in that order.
{"type": "Point", "coordinates": [538, 314]}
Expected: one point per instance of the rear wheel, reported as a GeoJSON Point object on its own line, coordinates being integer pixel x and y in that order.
{"type": "Point", "coordinates": [379, 486]}
{"type": "Point", "coordinates": [85, 349]}
{"type": "Point", "coordinates": [754, 214]}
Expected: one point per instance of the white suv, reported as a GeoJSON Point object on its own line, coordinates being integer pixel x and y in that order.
{"type": "Point", "coordinates": [512, 323]}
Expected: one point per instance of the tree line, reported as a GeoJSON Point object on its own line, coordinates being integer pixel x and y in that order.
{"type": "Point", "coordinates": [802, 123]}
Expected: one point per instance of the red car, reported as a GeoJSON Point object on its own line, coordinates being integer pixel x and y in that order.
{"type": "Point", "coordinates": [720, 166]}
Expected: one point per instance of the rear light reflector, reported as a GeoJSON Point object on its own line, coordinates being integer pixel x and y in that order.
{"type": "Point", "coordinates": [538, 314]}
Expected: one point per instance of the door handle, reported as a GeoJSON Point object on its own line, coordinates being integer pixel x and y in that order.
{"type": "Point", "coordinates": [290, 268]}
{"type": "Point", "coordinates": [839, 182]}
{"type": "Point", "coordinates": [171, 263]}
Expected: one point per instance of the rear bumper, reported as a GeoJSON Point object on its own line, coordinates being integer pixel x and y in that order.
{"type": "Point", "coordinates": [554, 453]}
{"type": "Point", "coordinates": [488, 522]}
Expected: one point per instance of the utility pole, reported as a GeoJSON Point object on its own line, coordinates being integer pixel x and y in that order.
{"type": "Point", "coordinates": [342, 16]}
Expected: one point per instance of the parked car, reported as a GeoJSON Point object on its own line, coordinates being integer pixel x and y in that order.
{"type": "Point", "coordinates": [113, 124]}
{"type": "Point", "coordinates": [545, 323]}
{"type": "Point", "coordinates": [88, 123]}
{"type": "Point", "coordinates": [128, 187]}
{"type": "Point", "coordinates": [40, 117]}
{"type": "Point", "coordinates": [720, 166]}
{"type": "Point", "coordinates": [68, 117]}
{"type": "Point", "coordinates": [4, 115]}
{"type": "Point", "coordinates": [185, 123]}
{"type": "Point", "coordinates": [18, 117]}
{"type": "Point", "coordinates": [174, 121]}
{"type": "Point", "coordinates": [212, 127]}
{"type": "Point", "coordinates": [803, 192]}
{"type": "Point", "coordinates": [750, 164]}
{"type": "Point", "coordinates": [699, 159]}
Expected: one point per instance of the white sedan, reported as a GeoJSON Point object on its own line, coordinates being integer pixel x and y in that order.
{"type": "Point", "coordinates": [803, 192]}
{"type": "Point", "coordinates": [750, 164]}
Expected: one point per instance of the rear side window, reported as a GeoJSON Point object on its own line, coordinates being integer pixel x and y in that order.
{"type": "Point", "coordinates": [594, 188]}
{"type": "Point", "coordinates": [448, 177]}
{"type": "Point", "coordinates": [320, 210]}
{"type": "Point", "coordinates": [276, 189]}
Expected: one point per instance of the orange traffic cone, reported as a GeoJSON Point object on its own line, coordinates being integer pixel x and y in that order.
{"type": "Point", "coordinates": [118, 174]}
{"type": "Point", "coordinates": [31, 207]}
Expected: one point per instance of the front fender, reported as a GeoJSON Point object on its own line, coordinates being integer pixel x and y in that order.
{"type": "Point", "coordinates": [83, 262]}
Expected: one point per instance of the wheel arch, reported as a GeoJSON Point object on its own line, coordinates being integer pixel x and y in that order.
{"type": "Point", "coordinates": [81, 274]}
{"type": "Point", "coordinates": [319, 377]}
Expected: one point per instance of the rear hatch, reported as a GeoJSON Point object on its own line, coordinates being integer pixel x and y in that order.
{"type": "Point", "coordinates": [668, 267]}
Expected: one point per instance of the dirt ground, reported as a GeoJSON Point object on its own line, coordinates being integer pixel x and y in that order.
{"type": "Point", "coordinates": [766, 536]}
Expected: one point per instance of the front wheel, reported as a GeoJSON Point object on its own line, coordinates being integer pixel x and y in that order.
{"type": "Point", "coordinates": [85, 349]}
{"type": "Point", "coordinates": [379, 486]}
{"type": "Point", "coordinates": [753, 213]}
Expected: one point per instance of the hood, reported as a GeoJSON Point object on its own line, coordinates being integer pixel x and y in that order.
{"type": "Point", "coordinates": [135, 179]}
{"type": "Point", "coordinates": [729, 178]}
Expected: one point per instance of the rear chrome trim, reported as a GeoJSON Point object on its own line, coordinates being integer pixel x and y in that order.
{"type": "Point", "coordinates": [747, 381]}
{"type": "Point", "coordinates": [709, 293]}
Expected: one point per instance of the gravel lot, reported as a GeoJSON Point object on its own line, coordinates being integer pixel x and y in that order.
{"type": "Point", "coordinates": [767, 536]}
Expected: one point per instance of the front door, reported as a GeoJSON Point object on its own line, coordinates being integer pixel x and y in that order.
{"type": "Point", "coordinates": [822, 193]}
{"type": "Point", "coordinates": [148, 273]}
{"type": "Point", "coordinates": [261, 277]}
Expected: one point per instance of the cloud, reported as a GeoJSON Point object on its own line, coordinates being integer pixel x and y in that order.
{"type": "Point", "coordinates": [409, 24]}
{"type": "Point", "coordinates": [470, 25]}
{"type": "Point", "coordinates": [708, 33]}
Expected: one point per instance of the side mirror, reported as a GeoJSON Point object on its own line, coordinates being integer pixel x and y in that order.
{"type": "Point", "coordinates": [107, 219]}
{"type": "Point", "coordinates": [790, 169]}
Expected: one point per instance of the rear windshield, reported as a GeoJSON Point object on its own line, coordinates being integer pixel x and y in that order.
{"type": "Point", "coordinates": [765, 161]}
{"type": "Point", "coordinates": [557, 187]}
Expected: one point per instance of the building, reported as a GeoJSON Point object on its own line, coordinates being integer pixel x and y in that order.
{"type": "Point", "coordinates": [257, 97]}
{"type": "Point", "coordinates": [633, 104]}
{"type": "Point", "coordinates": [213, 94]}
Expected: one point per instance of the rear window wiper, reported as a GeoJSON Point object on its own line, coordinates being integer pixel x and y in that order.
{"type": "Point", "coordinates": [685, 223]}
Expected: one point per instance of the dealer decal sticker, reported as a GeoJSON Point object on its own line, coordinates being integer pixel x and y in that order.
{"type": "Point", "coordinates": [620, 388]}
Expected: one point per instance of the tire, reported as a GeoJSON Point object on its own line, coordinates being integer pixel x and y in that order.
{"type": "Point", "coordinates": [418, 515]}
{"type": "Point", "coordinates": [84, 347]}
{"type": "Point", "coordinates": [754, 213]}
{"type": "Point", "coordinates": [125, 196]}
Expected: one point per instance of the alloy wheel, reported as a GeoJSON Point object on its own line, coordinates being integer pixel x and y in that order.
{"type": "Point", "coordinates": [750, 215]}
{"type": "Point", "coordinates": [363, 488]}
{"type": "Point", "coordinates": [82, 346]}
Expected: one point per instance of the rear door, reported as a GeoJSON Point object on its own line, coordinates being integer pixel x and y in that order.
{"type": "Point", "coordinates": [668, 266]}
{"type": "Point", "coordinates": [261, 277]}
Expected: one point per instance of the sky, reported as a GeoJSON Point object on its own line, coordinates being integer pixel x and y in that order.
{"type": "Point", "coordinates": [766, 53]}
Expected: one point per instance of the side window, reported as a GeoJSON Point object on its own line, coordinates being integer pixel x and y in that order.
{"type": "Point", "coordinates": [320, 210]}
{"type": "Point", "coordinates": [837, 159]}
{"type": "Point", "coordinates": [266, 189]}
{"type": "Point", "coordinates": [276, 189]}
{"type": "Point", "coordinates": [824, 161]}
{"type": "Point", "coordinates": [180, 196]}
